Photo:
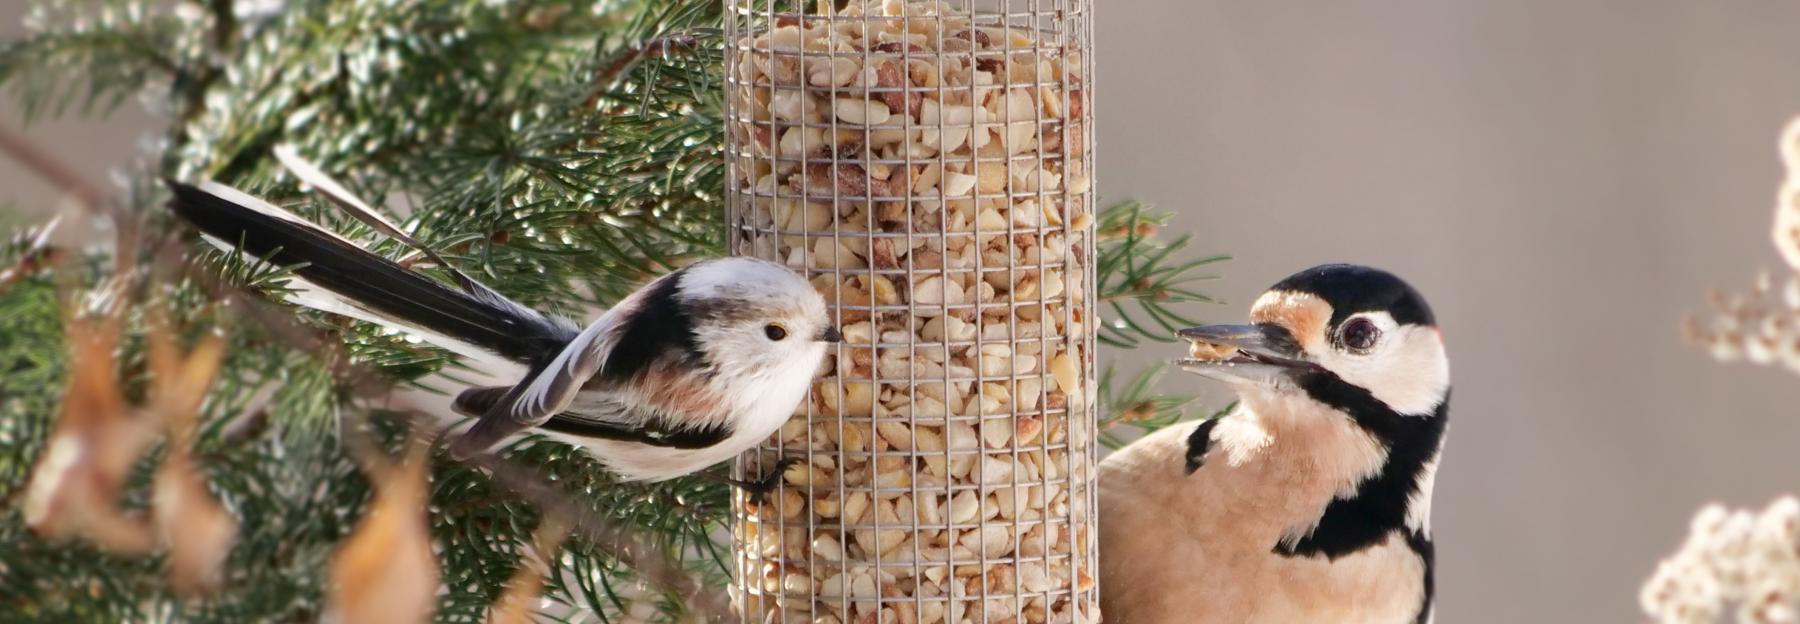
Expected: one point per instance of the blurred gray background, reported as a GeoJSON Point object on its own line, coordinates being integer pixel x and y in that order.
{"type": "Point", "coordinates": [1563, 180]}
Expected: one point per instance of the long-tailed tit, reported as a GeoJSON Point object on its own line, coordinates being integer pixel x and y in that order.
{"type": "Point", "coordinates": [688, 371]}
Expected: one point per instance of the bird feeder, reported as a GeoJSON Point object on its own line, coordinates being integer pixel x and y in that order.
{"type": "Point", "coordinates": [927, 166]}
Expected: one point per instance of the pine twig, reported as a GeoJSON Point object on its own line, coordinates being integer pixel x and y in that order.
{"type": "Point", "coordinates": [629, 548]}
{"type": "Point", "coordinates": [667, 46]}
{"type": "Point", "coordinates": [1142, 276]}
{"type": "Point", "coordinates": [35, 254]}
{"type": "Point", "coordinates": [40, 162]}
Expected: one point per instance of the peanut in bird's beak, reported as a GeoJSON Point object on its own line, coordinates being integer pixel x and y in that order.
{"type": "Point", "coordinates": [1262, 354]}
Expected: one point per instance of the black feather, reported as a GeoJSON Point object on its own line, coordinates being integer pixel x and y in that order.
{"type": "Point", "coordinates": [476, 314]}
{"type": "Point", "coordinates": [477, 401]}
{"type": "Point", "coordinates": [662, 327]}
{"type": "Point", "coordinates": [652, 433]}
{"type": "Point", "coordinates": [1421, 545]}
{"type": "Point", "coordinates": [1199, 442]}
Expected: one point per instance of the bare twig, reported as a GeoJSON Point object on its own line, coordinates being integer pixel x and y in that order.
{"type": "Point", "coordinates": [649, 561]}
{"type": "Point", "coordinates": [52, 170]}
{"type": "Point", "coordinates": [679, 44]}
{"type": "Point", "coordinates": [37, 255]}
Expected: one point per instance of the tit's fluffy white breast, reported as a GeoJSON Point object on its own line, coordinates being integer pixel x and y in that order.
{"type": "Point", "coordinates": [760, 414]}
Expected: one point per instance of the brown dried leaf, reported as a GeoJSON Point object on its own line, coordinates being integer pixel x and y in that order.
{"type": "Point", "coordinates": [515, 605]}
{"type": "Point", "coordinates": [74, 489]}
{"type": "Point", "coordinates": [385, 572]}
{"type": "Point", "coordinates": [190, 523]}
{"type": "Point", "coordinates": [194, 528]}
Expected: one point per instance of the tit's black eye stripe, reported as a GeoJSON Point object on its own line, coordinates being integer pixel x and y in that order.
{"type": "Point", "coordinates": [775, 332]}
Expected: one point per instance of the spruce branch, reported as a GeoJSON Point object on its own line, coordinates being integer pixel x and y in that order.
{"type": "Point", "coordinates": [41, 163]}
{"type": "Point", "coordinates": [1143, 276]}
{"type": "Point", "coordinates": [91, 58]}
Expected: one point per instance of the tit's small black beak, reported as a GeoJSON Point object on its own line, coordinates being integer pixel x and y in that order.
{"type": "Point", "coordinates": [830, 334]}
{"type": "Point", "coordinates": [1265, 353]}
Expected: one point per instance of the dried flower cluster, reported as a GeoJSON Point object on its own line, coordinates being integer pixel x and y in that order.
{"type": "Point", "coordinates": [1763, 326]}
{"type": "Point", "coordinates": [1787, 202]}
{"type": "Point", "coordinates": [929, 173]}
{"type": "Point", "coordinates": [384, 571]}
{"type": "Point", "coordinates": [1741, 557]}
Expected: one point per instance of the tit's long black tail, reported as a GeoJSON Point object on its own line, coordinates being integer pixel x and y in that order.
{"type": "Point", "coordinates": [371, 287]}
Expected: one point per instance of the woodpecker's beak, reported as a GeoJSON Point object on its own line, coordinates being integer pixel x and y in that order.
{"type": "Point", "coordinates": [1266, 354]}
{"type": "Point", "coordinates": [830, 334]}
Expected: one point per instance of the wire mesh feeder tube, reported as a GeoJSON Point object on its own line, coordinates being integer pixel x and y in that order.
{"type": "Point", "coordinates": [926, 165]}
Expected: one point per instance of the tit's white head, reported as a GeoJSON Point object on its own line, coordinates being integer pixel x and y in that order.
{"type": "Point", "coordinates": [754, 319]}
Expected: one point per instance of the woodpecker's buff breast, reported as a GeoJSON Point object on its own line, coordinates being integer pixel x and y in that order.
{"type": "Point", "coordinates": [1310, 501]}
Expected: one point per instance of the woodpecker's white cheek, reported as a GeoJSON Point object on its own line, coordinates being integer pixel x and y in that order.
{"type": "Point", "coordinates": [1408, 369]}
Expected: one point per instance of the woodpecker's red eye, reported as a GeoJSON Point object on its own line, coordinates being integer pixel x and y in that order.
{"type": "Point", "coordinates": [1359, 334]}
{"type": "Point", "coordinates": [775, 331]}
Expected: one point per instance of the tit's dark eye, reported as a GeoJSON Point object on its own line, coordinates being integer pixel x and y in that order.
{"type": "Point", "coordinates": [775, 331]}
{"type": "Point", "coordinates": [1359, 334]}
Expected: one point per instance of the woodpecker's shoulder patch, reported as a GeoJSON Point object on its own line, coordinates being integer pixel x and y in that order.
{"type": "Point", "coordinates": [1379, 506]}
{"type": "Point", "coordinates": [1199, 442]}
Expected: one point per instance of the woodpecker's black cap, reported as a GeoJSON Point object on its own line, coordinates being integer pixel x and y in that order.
{"type": "Point", "coordinates": [1351, 289]}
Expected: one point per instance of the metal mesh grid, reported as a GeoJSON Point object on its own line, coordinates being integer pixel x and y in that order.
{"type": "Point", "coordinates": [927, 165]}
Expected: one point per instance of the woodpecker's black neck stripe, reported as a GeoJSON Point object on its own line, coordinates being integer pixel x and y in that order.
{"type": "Point", "coordinates": [1199, 442]}
{"type": "Point", "coordinates": [661, 327]}
{"type": "Point", "coordinates": [1379, 506]}
{"type": "Point", "coordinates": [1427, 551]}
